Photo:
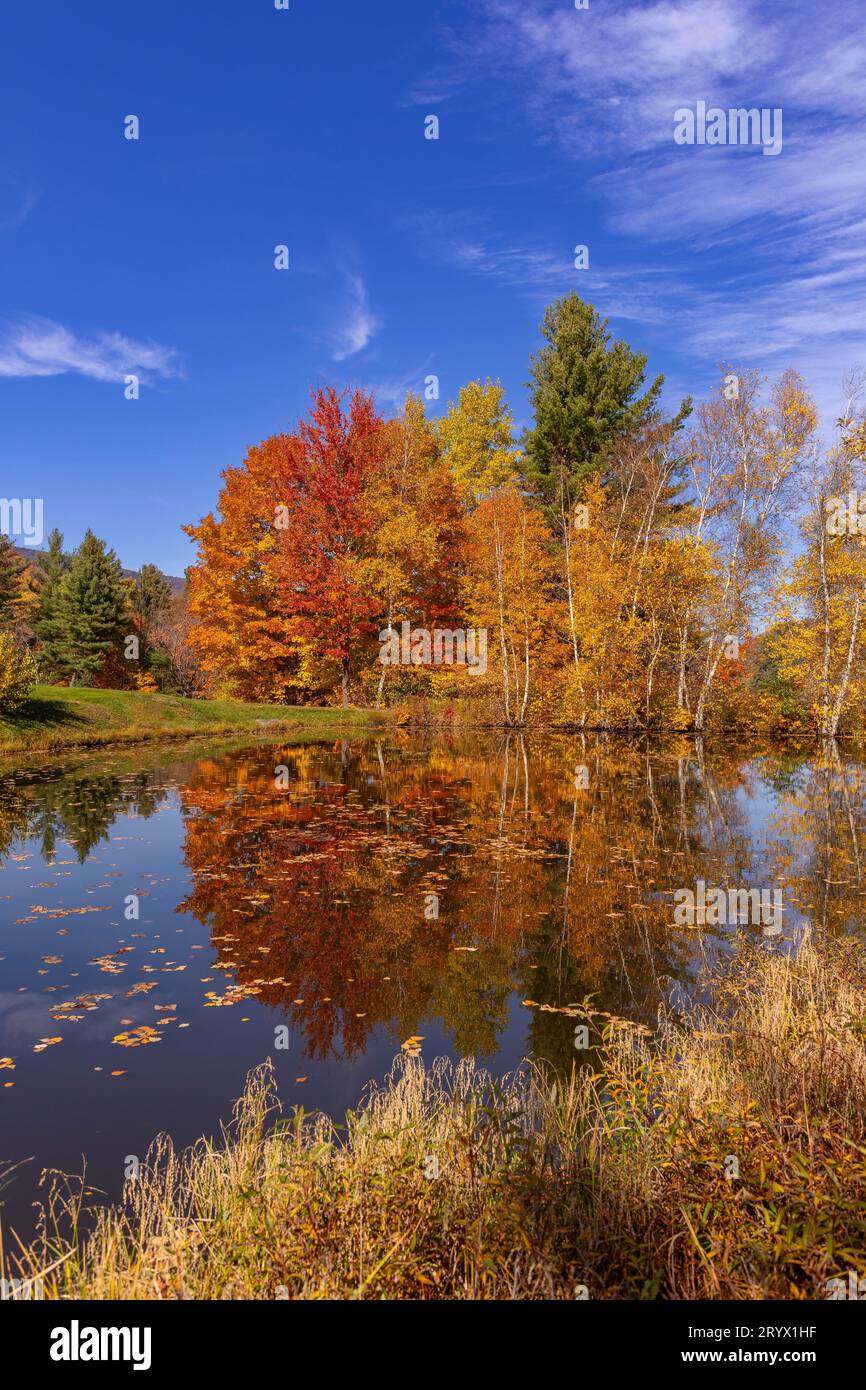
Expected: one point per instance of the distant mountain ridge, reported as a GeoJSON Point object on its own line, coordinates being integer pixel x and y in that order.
{"type": "Point", "coordinates": [28, 555]}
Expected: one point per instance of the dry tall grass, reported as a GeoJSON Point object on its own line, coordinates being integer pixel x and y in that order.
{"type": "Point", "coordinates": [445, 1185]}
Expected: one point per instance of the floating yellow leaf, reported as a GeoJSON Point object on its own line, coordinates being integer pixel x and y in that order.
{"type": "Point", "coordinates": [137, 1037]}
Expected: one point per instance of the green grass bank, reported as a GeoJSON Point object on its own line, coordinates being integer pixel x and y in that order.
{"type": "Point", "coordinates": [57, 717]}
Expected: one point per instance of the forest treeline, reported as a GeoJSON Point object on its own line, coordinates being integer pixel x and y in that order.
{"type": "Point", "coordinates": [79, 620]}
{"type": "Point", "coordinates": [626, 567]}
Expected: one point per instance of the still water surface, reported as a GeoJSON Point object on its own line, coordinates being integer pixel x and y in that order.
{"type": "Point", "coordinates": [373, 891]}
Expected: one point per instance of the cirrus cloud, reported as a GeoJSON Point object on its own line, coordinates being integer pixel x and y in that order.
{"type": "Point", "coordinates": [359, 324]}
{"type": "Point", "coordinates": [35, 347]}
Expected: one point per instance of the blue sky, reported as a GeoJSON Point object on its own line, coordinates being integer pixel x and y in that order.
{"type": "Point", "coordinates": [408, 256]}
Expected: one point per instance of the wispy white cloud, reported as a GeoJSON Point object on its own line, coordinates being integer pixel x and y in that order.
{"type": "Point", "coordinates": [18, 198]}
{"type": "Point", "coordinates": [392, 391]}
{"type": "Point", "coordinates": [39, 347]}
{"type": "Point", "coordinates": [358, 323]}
{"type": "Point", "coordinates": [760, 259]}
{"type": "Point", "coordinates": [612, 76]}
{"type": "Point", "coordinates": [466, 242]}
{"type": "Point", "coordinates": [542, 271]}
{"type": "Point", "coordinates": [17, 216]}
{"type": "Point", "coordinates": [525, 266]}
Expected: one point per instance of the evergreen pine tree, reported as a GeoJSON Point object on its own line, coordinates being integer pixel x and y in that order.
{"type": "Point", "coordinates": [94, 605]}
{"type": "Point", "coordinates": [585, 391]}
{"type": "Point", "coordinates": [151, 599]}
{"type": "Point", "coordinates": [47, 621]}
{"type": "Point", "coordinates": [151, 596]}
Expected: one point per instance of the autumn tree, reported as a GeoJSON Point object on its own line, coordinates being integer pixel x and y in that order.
{"type": "Point", "coordinates": [11, 570]}
{"type": "Point", "coordinates": [174, 655]}
{"type": "Point", "coordinates": [328, 579]}
{"type": "Point", "coordinates": [477, 440]}
{"type": "Point", "coordinates": [416, 517]}
{"type": "Point", "coordinates": [239, 625]}
{"type": "Point", "coordinates": [746, 456]}
{"type": "Point", "coordinates": [820, 640]}
{"type": "Point", "coordinates": [611, 593]}
{"type": "Point", "coordinates": [509, 594]}
{"type": "Point", "coordinates": [660, 572]}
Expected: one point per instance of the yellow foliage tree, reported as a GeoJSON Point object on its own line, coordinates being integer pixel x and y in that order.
{"type": "Point", "coordinates": [509, 595]}
{"type": "Point", "coordinates": [477, 441]}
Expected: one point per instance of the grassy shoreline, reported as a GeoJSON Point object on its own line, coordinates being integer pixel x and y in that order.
{"type": "Point", "coordinates": [57, 718]}
{"type": "Point", "coordinates": [612, 1184]}
{"type": "Point", "coordinates": [61, 719]}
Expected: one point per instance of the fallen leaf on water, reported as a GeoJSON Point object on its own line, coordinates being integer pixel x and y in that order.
{"type": "Point", "coordinates": [108, 965]}
{"type": "Point", "coordinates": [66, 911]}
{"type": "Point", "coordinates": [137, 1037]}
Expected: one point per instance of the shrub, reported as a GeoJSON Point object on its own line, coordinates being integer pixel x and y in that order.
{"type": "Point", "coordinates": [18, 673]}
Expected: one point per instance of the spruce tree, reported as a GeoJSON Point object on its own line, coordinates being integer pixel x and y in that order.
{"type": "Point", "coordinates": [151, 599]}
{"type": "Point", "coordinates": [585, 391]}
{"type": "Point", "coordinates": [94, 605]}
{"type": "Point", "coordinates": [151, 596]}
{"type": "Point", "coordinates": [47, 621]}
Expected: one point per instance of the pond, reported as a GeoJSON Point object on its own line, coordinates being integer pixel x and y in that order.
{"type": "Point", "coordinates": [171, 917]}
